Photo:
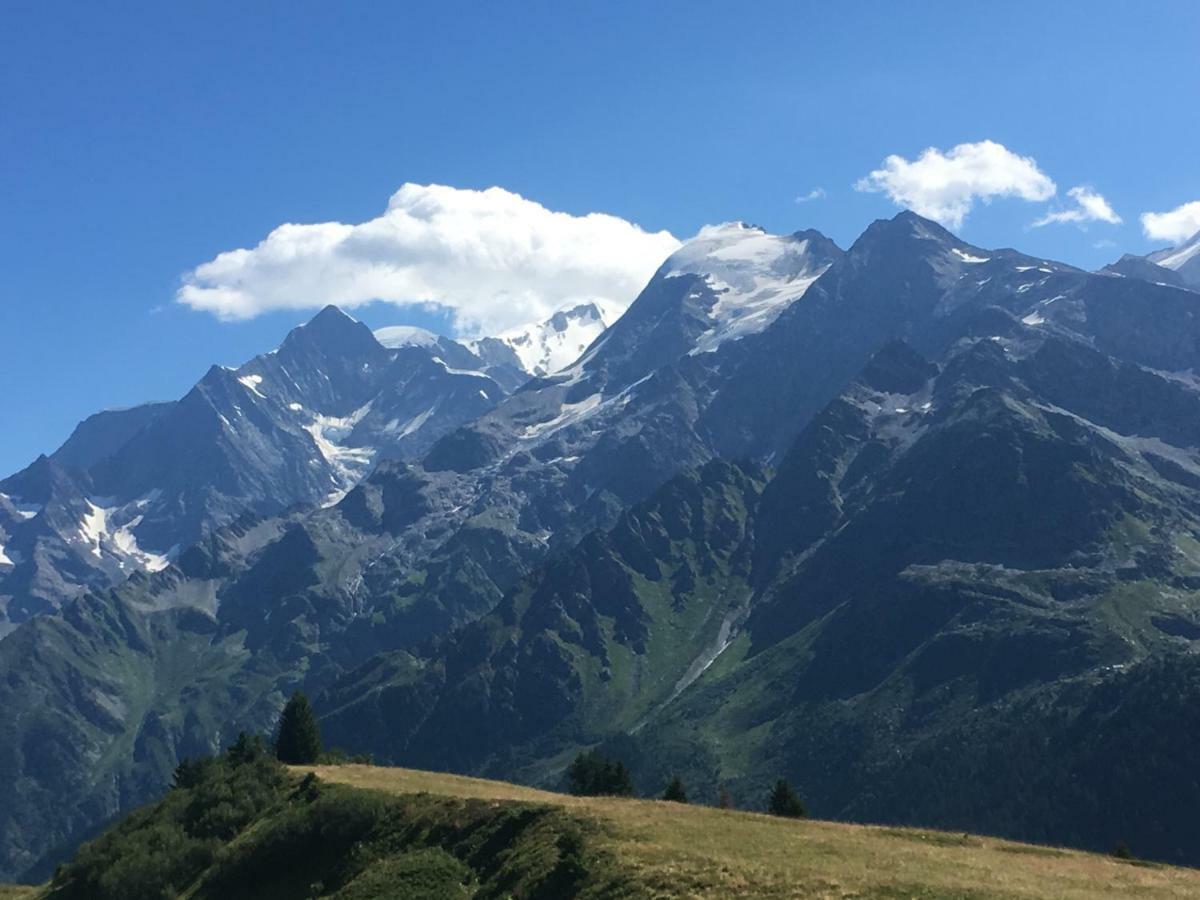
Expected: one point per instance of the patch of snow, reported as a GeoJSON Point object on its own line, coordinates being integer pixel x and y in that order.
{"type": "Point", "coordinates": [568, 414]}
{"type": "Point", "coordinates": [349, 464]}
{"type": "Point", "coordinates": [107, 530]}
{"type": "Point", "coordinates": [251, 383]}
{"type": "Point", "coordinates": [94, 527]}
{"type": "Point", "coordinates": [546, 347]}
{"type": "Point", "coordinates": [5, 560]}
{"type": "Point", "coordinates": [471, 372]}
{"type": "Point", "coordinates": [23, 510]}
{"type": "Point", "coordinates": [1034, 318]}
{"type": "Point", "coordinates": [396, 336]}
{"type": "Point", "coordinates": [755, 276]}
{"type": "Point", "coordinates": [412, 425]}
{"type": "Point", "coordinates": [484, 395]}
{"type": "Point", "coordinates": [1176, 257]}
{"type": "Point", "coordinates": [968, 258]}
{"type": "Point", "coordinates": [295, 407]}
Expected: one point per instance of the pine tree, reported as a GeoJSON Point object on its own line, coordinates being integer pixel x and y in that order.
{"type": "Point", "coordinates": [785, 801]}
{"type": "Point", "coordinates": [675, 791]}
{"type": "Point", "coordinates": [299, 740]}
{"type": "Point", "coordinates": [248, 748]}
{"type": "Point", "coordinates": [619, 782]}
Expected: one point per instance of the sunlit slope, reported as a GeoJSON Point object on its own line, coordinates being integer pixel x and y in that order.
{"type": "Point", "coordinates": [667, 850]}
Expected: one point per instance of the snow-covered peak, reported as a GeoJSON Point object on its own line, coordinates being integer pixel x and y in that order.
{"type": "Point", "coordinates": [1175, 258]}
{"type": "Point", "coordinates": [549, 346]}
{"type": "Point", "coordinates": [755, 275]}
{"type": "Point", "coordinates": [397, 336]}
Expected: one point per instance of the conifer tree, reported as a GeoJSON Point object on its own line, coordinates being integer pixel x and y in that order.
{"type": "Point", "coordinates": [299, 740]}
{"type": "Point", "coordinates": [675, 791]}
{"type": "Point", "coordinates": [592, 774]}
{"type": "Point", "coordinates": [785, 801]}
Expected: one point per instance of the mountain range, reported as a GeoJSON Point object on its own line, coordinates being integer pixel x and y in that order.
{"type": "Point", "coordinates": [1176, 266]}
{"type": "Point", "coordinates": [915, 524]}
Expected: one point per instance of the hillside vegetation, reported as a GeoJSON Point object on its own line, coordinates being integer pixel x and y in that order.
{"type": "Point", "coordinates": [244, 827]}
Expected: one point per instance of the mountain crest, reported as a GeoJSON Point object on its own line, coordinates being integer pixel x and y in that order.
{"type": "Point", "coordinates": [332, 332]}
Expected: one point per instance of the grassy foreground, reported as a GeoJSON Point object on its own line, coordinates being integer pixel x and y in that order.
{"type": "Point", "coordinates": [667, 850]}
{"type": "Point", "coordinates": [243, 827]}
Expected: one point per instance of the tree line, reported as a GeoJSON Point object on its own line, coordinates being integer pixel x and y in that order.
{"type": "Point", "coordinates": [298, 743]}
{"type": "Point", "coordinates": [594, 775]}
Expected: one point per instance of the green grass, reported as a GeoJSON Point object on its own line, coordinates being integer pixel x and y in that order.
{"type": "Point", "coordinates": [238, 830]}
{"type": "Point", "coordinates": [657, 849]}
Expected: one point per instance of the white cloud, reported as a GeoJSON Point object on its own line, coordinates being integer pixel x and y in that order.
{"type": "Point", "coordinates": [1175, 226]}
{"type": "Point", "coordinates": [945, 186]}
{"type": "Point", "coordinates": [493, 258]}
{"type": "Point", "coordinates": [817, 193]}
{"type": "Point", "coordinates": [1089, 207]}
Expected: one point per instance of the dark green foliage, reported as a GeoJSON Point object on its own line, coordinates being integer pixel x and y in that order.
{"type": "Point", "coordinates": [594, 775]}
{"type": "Point", "coordinates": [675, 791]}
{"type": "Point", "coordinates": [299, 740]}
{"type": "Point", "coordinates": [1122, 851]}
{"type": "Point", "coordinates": [160, 850]}
{"type": "Point", "coordinates": [247, 748]}
{"type": "Point", "coordinates": [785, 801]}
{"type": "Point", "coordinates": [336, 756]}
{"type": "Point", "coordinates": [724, 798]}
{"type": "Point", "coordinates": [309, 838]}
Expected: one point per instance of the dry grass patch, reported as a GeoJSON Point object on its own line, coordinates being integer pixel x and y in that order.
{"type": "Point", "coordinates": [669, 850]}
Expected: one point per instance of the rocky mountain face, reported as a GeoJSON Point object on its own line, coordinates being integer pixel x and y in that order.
{"type": "Point", "coordinates": [860, 517]}
{"type": "Point", "coordinates": [939, 609]}
{"type": "Point", "coordinates": [299, 426]}
{"type": "Point", "coordinates": [1175, 266]}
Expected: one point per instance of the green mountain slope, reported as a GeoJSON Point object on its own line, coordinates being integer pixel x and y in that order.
{"type": "Point", "coordinates": [957, 603]}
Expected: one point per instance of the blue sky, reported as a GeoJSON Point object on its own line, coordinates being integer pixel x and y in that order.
{"type": "Point", "coordinates": [139, 141]}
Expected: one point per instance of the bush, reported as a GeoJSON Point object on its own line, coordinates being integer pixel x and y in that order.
{"type": "Point", "coordinates": [160, 850]}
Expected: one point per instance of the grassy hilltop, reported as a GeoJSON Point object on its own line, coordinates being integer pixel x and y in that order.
{"type": "Point", "coordinates": [662, 849]}
{"type": "Point", "coordinates": [247, 828]}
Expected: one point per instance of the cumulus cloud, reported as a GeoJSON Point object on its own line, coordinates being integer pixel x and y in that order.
{"type": "Point", "coordinates": [493, 258]}
{"type": "Point", "coordinates": [1175, 226]}
{"type": "Point", "coordinates": [817, 193]}
{"type": "Point", "coordinates": [1089, 207]}
{"type": "Point", "coordinates": [945, 186]}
